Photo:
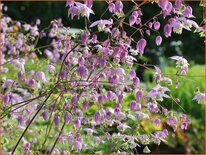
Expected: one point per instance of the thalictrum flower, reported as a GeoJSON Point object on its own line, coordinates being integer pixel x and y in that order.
{"type": "Point", "coordinates": [141, 44]}
{"type": "Point", "coordinates": [101, 24]}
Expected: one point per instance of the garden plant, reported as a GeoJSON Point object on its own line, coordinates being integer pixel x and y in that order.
{"type": "Point", "coordinates": [81, 93]}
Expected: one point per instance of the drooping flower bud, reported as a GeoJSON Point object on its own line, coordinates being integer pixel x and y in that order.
{"type": "Point", "coordinates": [45, 115]}
{"type": "Point", "coordinates": [56, 120]}
{"type": "Point", "coordinates": [167, 30]}
{"type": "Point", "coordinates": [111, 7]}
{"type": "Point", "coordinates": [188, 12]}
{"type": "Point", "coordinates": [85, 105]}
{"type": "Point", "coordinates": [132, 74]}
{"type": "Point", "coordinates": [82, 71]}
{"type": "Point", "coordinates": [77, 123]}
{"type": "Point", "coordinates": [157, 25]}
{"type": "Point", "coordinates": [21, 120]}
{"type": "Point", "coordinates": [20, 75]}
{"type": "Point", "coordinates": [139, 95]}
{"type": "Point", "coordinates": [40, 76]}
{"type": "Point", "coordinates": [118, 6]}
{"type": "Point", "coordinates": [158, 40]}
{"type": "Point", "coordinates": [141, 44]}
{"type": "Point", "coordinates": [77, 145]}
{"type": "Point", "coordinates": [67, 118]}
{"type": "Point", "coordinates": [132, 20]}
{"type": "Point", "coordinates": [97, 117]}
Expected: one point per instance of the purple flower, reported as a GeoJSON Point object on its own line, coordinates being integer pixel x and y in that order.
{"type": "Point", "coordinates": [100, 99]}
{"type": "Point", "coordinates": [184, 125]}
{"type": "Point", "coordinates": [40, 76]}
{"type": "Point", "coordinates": [101, 24]}
{"type": "Point", "coordinates": [31, 82]}
{"type": "Point", "coordinates": [158, 40]}
{"type": "Point", "coordinates": [20, 75]}
{"type": "Point", "coordinates": [188, 12]}
{"type": "Point", "coordinates": [118, 6]}
{"type": "Point", "coordinates": [132, 74]}
{"type": "Point", "coordinates": [77, 123]}
{"type": "Point", "coordinates": [56, 120]}
{"type": "Point", "coordinates": [163, 4]}
{"type": "Point", "coordinates": [136, 82]}
{"type": "Point", "coordinates": [45, 115]}
{"type": "Point", "coordinates": [139, 95]}
{"type": "Point", "coordinates": [73, 11]}
{"type": "Point", "coordinates": [157, 121]}
{"type": "Point", "coordinates": [199, 97]}
{"type": "Point", "coordinates": [21, 120]}
{"type": "Point", "coordinates": [133, 105]}
{"type": "Point", "coordinates": [85, 37]}
{"type": "Point", "coordinates": [84, 10]}
{"type": "Point", "coordinates": [74, 100]}
{"type": "Point", "coordinates": [70, 3]}
{"type": "Point", "coordinates": [111, 7]}
{"type": "Point", "coordinates": [157, 25]}
{"type": "Point", "coordinates": [97, 118]}
{"type": "Point", "coordinates": [178, 4]}
{"type": "Point", "coordinates": [141, 44]}
{"type": "Point", "coordinates": [82, 71]}
{"type": "Point", "coordinates": [132, 20]}
{"type": "Point", "coordinates": [85, 105]}
{"type": "Point", "coordinates": [77, 145]}
{"type": "Point", "coordinates": [67, 118]}
{"type": "Point", "coordinates": [167, 30]}
{"type": "Point", "coordinates": [6, 99]}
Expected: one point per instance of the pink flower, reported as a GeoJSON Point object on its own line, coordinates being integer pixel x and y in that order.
{"type": "Point", "coordinates": [132, 20]}
{"type": "Point", "coordinates": [118, 6]}
{"type": "Point", "coordinates": [101, 24]}
{"type": "Point", "coordinates": [67, 118]}
{"type": "Point", "coordinates": [141, 44]}
{"type": "Point", "coordinates": [167, 30]}
{"type": "Point", "coordinates": [111, 7]}
{"type": "Point", "coordinates": [157, 25]}
{"type": "Point", "coordinates": [188, 12]}
{"type": "Point", "coordinates": [199, 97]}
{"type": "Point", "coordinates": [158, 40]}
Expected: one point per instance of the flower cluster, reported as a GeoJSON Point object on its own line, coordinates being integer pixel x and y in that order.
{"type": "Point", "coordinates": [80, 95]}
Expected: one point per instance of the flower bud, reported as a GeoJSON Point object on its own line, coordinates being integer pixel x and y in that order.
{"type": "Point", "coordinates": [85, 105]}
{"type": "Point", "coordinates": [67, 118]}
{"type": "Point", "coordinates": [158, 40]}
{"type": "Point", "coordinates": [56, 120]}
{"type": "Point", "coordinates": [44, 115]}
{"type": "Point", "coordinates": [156, 25]}
{"type": "Point", "coordinates": [132, 20]}
{"type": "Point", "coordinates": [141, 44]}
{"type": "Point", "coordinates": [77, 123]}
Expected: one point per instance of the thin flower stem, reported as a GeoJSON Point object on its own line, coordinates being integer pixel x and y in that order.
{"type": "Point", "coordinates": [57, 138]}
{"type": "Point", "coordinates": [30, 122]}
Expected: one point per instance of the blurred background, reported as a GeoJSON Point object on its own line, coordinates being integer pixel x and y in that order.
{"type": "Point", "coordinates": [189, 44]}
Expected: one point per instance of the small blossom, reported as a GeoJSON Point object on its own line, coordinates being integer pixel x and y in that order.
{"type": "Point", "coordinates": [132, 20]}
{"type": "Point", "coordinates": [111, 7]}
{"type": "Point", "coordinates": [77, 145]}
{"type": "Point", "coordinates": [158, 40]}
{"type": "Point", "coordinates": [157, 25]}
{"type": "Point", "coordinates": [141, 44]}
{"type": "Point", "coordinates": [45, 115]}
{"type": "Point", "coordinates": [199, 97]}
{"type": "Point", "coordinates": [188, 12]}
{"type": "Point", "coordinates": [167, 30]}
{"type": "Point", "coordinates": [82, 71]}
{"type": "Point", "coordinates": [67, 118]}
{"type": "Point", "coordinates": [118, 6]}
{"type": "Point", "coordinates": [56, 120]}
{"type": "Point", "coordinates": [101, 24]}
